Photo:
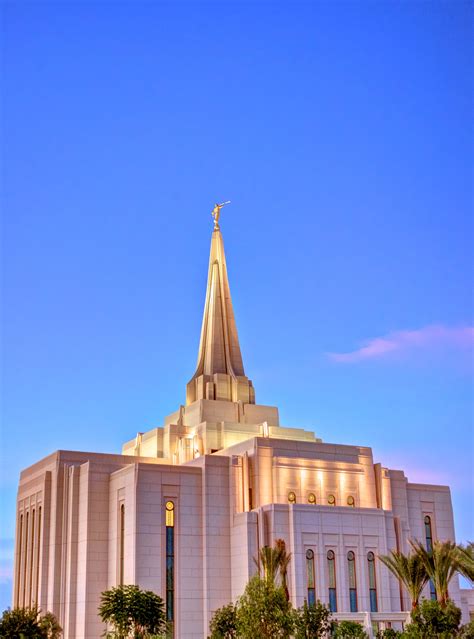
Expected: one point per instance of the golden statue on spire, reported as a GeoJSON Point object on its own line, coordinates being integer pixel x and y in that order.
{"type": "Point", "coordinates": [216, 212]}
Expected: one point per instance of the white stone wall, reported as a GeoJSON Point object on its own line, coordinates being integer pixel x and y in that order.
{"type": "Point", "coordinates": [227, 506]}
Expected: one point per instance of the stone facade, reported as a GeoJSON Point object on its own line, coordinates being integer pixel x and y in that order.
{"type": "Point", "coordinates": [201, 495]}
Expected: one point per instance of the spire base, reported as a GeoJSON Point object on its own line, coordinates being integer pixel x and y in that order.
{"type": "Point", "coordinates": [220, 386]}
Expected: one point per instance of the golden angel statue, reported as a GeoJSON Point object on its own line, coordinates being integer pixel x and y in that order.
{"type": "Point", "coordinates": [216, 212]}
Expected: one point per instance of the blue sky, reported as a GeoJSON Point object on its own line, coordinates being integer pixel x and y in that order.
{"type": "Point", "coordinates": [342, 134]}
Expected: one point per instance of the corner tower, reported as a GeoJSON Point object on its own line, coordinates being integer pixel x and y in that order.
{"type": "Point", "coordinates": [220, 371]}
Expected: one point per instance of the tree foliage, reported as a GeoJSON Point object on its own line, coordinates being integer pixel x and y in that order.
{"type": "Point", "coordinates": [348, 630]}
{"type": "Point", "coordinates": [132, 612]}
{"type": "Point", "coordinates": [20, 623]}
{"type": "Point", "coordinates": [410, 570]}
{"type": "Point", "coordinates": [441, 564]}
{"type": "Point", "coordinates": [263, 611]}
{"type": "Point", "coordinates": [467, 631]}
{"type": "Point", "coordinates": [466, 560]}
{"type": "Point", "coordinates": [272, 564]}
{"type": "Point", "coordinates": [431, 620]}
{"type": "Point", "coordinates": [311, 621]}
{"type": "Point", "coordinates": [224, 623]}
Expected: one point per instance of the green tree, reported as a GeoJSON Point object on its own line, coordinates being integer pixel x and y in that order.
{"type": "Point", "coordinates": [284, 559]}
{"type": "Point", "coordinates": [312, 621]}
{"type": "Point", "coordinates": [268, 563]}
{"type": "Point", "coordinates": [466, 560]}
{"type": "Point", "coordinates": [410, 570]}
{"type": "Point", "coordinates": [467, 631]}
{"type": "Point", "coordinates": [50, 625]}
{"type": "Point", "coordinates": [263, 611]}
{"type": "Point", "coordinates": [20, 623]}
{"type": "Point", "coordinates": [132, 612]}
{"type": "Point", "coordinates": [441, 564]}
{"type": "Point", "coordinates": [431, 620]}
{"type": "Point", "coordinates": [224, 623]}
{"type": "Point", "coordinates": [389, 633]}
{"type": "Point", "coordinates": [348, 630]}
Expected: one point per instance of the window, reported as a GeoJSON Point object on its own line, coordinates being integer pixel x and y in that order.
{"type": "Point", "coordinates": [429, 547]}
{"type": "Point", "coordinates": [351, 501]}
{"type": "Point", "coordinates": [169, 509]}
{"type": "Point", "coordinates": [25, 560]}
{"type": "Point", "coordinates": [122, 544]}
{"type": "Point", "coordinates": [32, 556]}
{"type": "Point", "coordinates": [292, 497]}
{"type": "Point", "coordinates": [18, 567]}
{"type": "Point", "coordinates": [372, 582]}
{"type": "Point", "coordinates": [352, 581]}
{"type": "Point", "coordinates": [310, 576]}
{"type": "Point", "coordinates": [331, 500]}
{"type": "Point", "coordinates": [332, 580]}
{"type": "Point", "coordinates": [38, 555]}
{"type": "Point", "coordinates": [311, 498]}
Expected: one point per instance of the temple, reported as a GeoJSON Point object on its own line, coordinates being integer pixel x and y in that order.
{"type": "Point", "coordinates": [185, 508]}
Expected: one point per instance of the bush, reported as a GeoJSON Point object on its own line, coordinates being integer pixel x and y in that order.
{"type": "Point", "coordinates": [431, 621]}
{"type": "Point", "coordinates": [348, 630]}
{"type": "Point", "coordinates": [311, 621]}
{"type": "Point", "coordinates": [224, 623]}
{"type": "Point", "coordinates": [20, 623]}
{"type": "Point", "coordinates": [132, 611]}
{"type": "Point", "coordinates": [389, 633]}
{"type": "Point", "coordinates": [263, 611]}
{"type": "Point", "coordinates": [467, 631]}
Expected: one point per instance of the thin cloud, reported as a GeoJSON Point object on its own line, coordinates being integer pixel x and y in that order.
{"type": "Point", "coordinates": [404, 341]}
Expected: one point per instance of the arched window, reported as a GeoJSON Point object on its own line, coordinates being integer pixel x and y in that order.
{"type": "Point", "coordinates": [332, 580]}
{"type": "Point", "coordinates": [311, 498]}
{"type": "Point", "coordinates": [352, 580]}
{"type": "Point", "coordinates": [310, 575]}
{"type": "Point", "coordinates": [122, 545]}
{"type": "Point", "coordinates": [351, 501]}
{"type": "Point", "coordinates": [292, 497]}
{"type": "Point", "coordinates": [372, 582]}
{"type": "Point", "coordinates": [169, 510]}
{"type": "Point", "coordinates": [429, 548]}
{"type": "Point", "coordinates": [331, 500]}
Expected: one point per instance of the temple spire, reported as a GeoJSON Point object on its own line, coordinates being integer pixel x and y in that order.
{"type": "Point", "coordinates": [220, 370]}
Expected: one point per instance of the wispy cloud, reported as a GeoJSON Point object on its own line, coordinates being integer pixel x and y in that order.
{"type": "Point", "coordinates": [403, 341]}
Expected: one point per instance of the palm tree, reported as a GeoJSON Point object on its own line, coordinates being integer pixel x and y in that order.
{"type": "Point", "coordinates": [410, 570]}
{"type": "Point", "coordinates": [274, 562]}
{"type": "Point", "coordinates": [269, 562]}
{"type": "Point", "coordinates": [284, 559]}
{"type": "Point", "coordinates": [466, 560]}
{"type": "Point", "coordinates": [441, 564]}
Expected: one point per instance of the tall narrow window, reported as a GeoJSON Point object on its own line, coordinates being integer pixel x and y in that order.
{"type": "Point", "coordinates": [429, 548]}
{"type": "Point", "coordinates": [25, 560]}
{"type": "Point", "coordinates": [372, 582]}
{"type": "Point", "coordinates": [32, 557]}
{"type": "Point", "coordinates": [352, 581]}
{"type": "Point", "coordinates": [38, 555]}
{"type": "Point", "coordinates": [18, 566]}
{"type": "Point", "coordinates": [122, 545]}
{"type": "Point", "coordinates": [170, 561]}
{"type": "Point", "coordinates": [310, 574]}
{"type": "Point", "coordinates": [332, 581]}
